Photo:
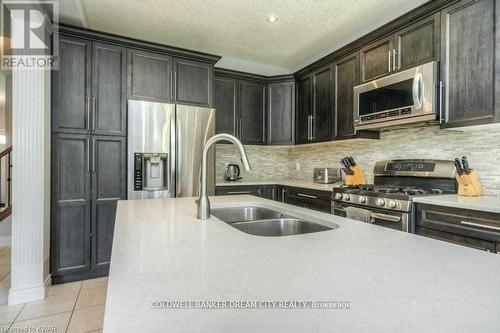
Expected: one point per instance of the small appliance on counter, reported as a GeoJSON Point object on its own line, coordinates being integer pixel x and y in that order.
{"type": "Point", "coordinates": [354, 174]}
{"type": "Point", "coordinates": [468, 181]}
{"type": "Point", "coordinates": [327, 175]}
{"type": "Point", "coordinates": [232, 172]}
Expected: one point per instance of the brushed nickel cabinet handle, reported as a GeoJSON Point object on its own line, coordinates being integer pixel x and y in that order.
{"type": "Point", "coordinates": [239, 192]}
{"type": "Point", "coordinates": [88, 154]}
{"type": "Point", "coordinates": [394, 66]}
{"type": "Point", "coordinates": [94, 154]}
{"type": "Point", "coordinates": [94, 116]}
{"type": "Point", "coordinates": [307, 196]}
{"type": "Point", "coordinates": [88, 113]}
{"type": "Point", "coordinates": [480, 225]}
{"type": "Point", "coordinates": [390, 62]}
{"type": "Point", "coordinates": [441, 89]}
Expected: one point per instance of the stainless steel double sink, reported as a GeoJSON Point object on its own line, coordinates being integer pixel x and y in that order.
{"type": "Point", "coordinates": [262, 221]}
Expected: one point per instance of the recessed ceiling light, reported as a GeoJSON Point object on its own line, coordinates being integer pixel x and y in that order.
{"type": "Point", "coordinates": [272, 18]}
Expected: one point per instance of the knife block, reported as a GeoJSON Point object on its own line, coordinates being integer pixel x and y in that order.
{"type": "Point", "coordinates": [469, 185]}
{"type": "Point", "coordinates": [357, 179]}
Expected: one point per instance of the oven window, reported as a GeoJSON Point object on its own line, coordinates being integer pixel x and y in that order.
{"type": "Point", "coordinates": [394, 96]}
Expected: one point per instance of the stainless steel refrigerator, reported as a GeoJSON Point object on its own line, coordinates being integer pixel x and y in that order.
{"type": "Point", "coordinates": [164, 149]}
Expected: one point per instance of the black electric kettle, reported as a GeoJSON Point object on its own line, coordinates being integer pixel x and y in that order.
{"type": "Point", "coordinates": [232, 172]}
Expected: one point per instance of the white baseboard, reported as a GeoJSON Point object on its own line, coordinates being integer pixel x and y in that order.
{"type": "Point", "coordinates": [47, 283]}
{"type": "Point", "coordinates": [4, 240]}
{"type": "Point", "coordinates": [26, 295]}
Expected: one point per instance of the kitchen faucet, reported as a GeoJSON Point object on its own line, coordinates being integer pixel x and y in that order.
{"type": "Point", "coordinates": [203, 202]}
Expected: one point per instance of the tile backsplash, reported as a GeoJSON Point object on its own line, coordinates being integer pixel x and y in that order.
{"type": "Point", "coordinates": [481, 147]}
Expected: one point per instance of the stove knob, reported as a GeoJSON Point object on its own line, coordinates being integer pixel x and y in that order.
{"type": "Point", "coordinates": [338, 196]}
{"type": "Point", "coordinates": [362, 200]}
{"type": "Point", "coordinates": [381, 202]}
{"type": "Point", "coordinates": [347, 197]}
{"type": "Point", "coordinates": [391, 204]}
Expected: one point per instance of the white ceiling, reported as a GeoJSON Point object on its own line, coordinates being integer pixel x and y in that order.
{"type": "Point", "coordinates": [237, 30]}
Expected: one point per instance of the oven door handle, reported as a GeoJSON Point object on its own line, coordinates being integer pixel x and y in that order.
{"type": "Point", "coordinates": [417, 90]}
{"type": "Point", "coordinates": [385, 217]}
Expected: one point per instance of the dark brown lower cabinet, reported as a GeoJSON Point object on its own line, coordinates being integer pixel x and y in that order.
{"type": "Point", "coordinates": [479, 230]}
{"type": "Point", "coordinates": [307, 198]}
{"type": "Point", "coordinates": [88, 178]}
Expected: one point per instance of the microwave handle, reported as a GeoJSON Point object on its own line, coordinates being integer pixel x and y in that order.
{"type": "Point", "coordinates": [417, 89]}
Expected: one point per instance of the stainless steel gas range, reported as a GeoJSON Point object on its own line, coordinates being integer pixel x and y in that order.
{"type": "Point", "coordinates": [388, 201]}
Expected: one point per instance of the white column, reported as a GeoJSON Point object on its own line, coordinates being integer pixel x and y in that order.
{"type": "Point", "coordinates": [31, 184]}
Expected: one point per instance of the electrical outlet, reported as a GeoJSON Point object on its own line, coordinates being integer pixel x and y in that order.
{"type": "Point", "coordinates": [297, 166]}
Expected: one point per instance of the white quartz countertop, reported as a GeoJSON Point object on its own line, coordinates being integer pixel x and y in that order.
{"type": "Point", "coordinates": [484, 203]}
{"type": "Point", "coordinates": [283, 182]}
{"type": "Point", "coordinates": [395, 281]}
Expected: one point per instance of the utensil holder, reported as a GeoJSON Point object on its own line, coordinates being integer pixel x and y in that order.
{"type": "Point", "coordinates": [469, 185]}
{"type": "Point", "coordinates": [358, 178]}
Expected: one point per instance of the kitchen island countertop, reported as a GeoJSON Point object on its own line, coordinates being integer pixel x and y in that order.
{"type": "Point", "coordinates": [394, 281]}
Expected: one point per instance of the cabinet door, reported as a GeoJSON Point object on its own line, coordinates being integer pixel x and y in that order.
{"type": "Point", "coordinates": [269, 192]}
{"type": "Point", "coordinates": [149, 76]}
{"type": "Point", "coordinates": [307, 198]}
{"type": "Point", "coordinates": [108, 186]}
{"type": "Point", "coordinates": [252, 110]}
{"type": "Point", "coordinates": [376, 59]}
{"type": "Point", "coordinates": [468, 63]}
{"type": "Point", "coordinates": [322, 105]}
{"type": "Point", "coordinates": [346, 73]}
{"type": "Point", "coordinates": [304, 110]}
{"type": "Point", "coordinates": [280, 115]}
{"type": "Point", "coordinates": [70, 225]}
{"type": "Point", "coordinates": [193, 82]}
{"type": "Point", "coordinates": [225, 94]}
{"type": "Point", "coordinates": [109, 85]}
{"type": "Point", "coordinates": [71, 87]}
{"type": "Point", "coordinates": [418, 43]}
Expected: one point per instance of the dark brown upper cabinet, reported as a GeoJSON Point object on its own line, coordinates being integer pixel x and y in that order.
{"type": "Point", "coordinates": [149, 76]}
{"type": "Point", "coordinates": [418, 43]}
{"type": "Point", "coordinates": [251, 126]}
{"type": "Point", "coordinates": [193, 81]}
{"type": "Point", "coordinates": [88, 94]}
{"type": "Point", "coordinates": [322, 116]}
{"type": "Point", "coordinates": [71, 86]}
{"type": "Point", "coordinates": [280, 113]}
{"type": "Point", "coordinates": [469, 83]}
{"type": "Point", "coordinates": [226, 112]}
{"type": "Point", "coordinates": [346, 77]}
{"type": "Point", "coordinates": [304, 110]}
{"type": "Point", "coordinates": [240, 106]}
{"type": "Point", "coordinates": [411, 46]}
{"type": "Point", "coordinates": [109, 83]}
{"type": "Point", "coordinates": [376, 59]}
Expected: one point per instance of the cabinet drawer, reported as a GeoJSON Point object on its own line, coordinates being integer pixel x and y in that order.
{"type": "Point", "coordinates": [312, 199]}
{"type": "Point", "coordinates": [457, 239]}
{"type": "Point", "coordinates": [475, 224]}
{"type": "Point", "coordinates": [239, 190]}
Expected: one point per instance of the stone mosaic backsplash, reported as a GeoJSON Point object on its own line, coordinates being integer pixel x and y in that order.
{"type": "Point", "coordinates": [482, 148]}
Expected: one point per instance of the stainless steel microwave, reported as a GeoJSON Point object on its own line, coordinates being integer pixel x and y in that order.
{"type": "Point", "coordinates": [405, 97]}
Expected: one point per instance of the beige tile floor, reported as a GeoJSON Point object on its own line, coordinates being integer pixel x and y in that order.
{"type": "Point", "coordinates": [75, 307]}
